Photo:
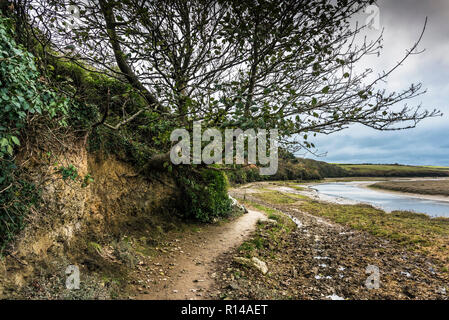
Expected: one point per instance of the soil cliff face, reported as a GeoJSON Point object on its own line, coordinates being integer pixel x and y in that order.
{"type": "Point", "coordinates": [65, 202]}
{"type": "Point", "coordinates": [121, 199]}
{"type": "Point", "coordinates": [72, 214]}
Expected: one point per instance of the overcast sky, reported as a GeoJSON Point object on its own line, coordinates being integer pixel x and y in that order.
{"type": "Point", "coordinates": [428, 144]}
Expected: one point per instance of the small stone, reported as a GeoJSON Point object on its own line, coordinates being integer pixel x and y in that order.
{"type": "Point", "coordinates": [253, 263]}
{"type": "Point", "coordinates": [269, 221]}
{"type": "Point", "coordinates": [233, 286]}
{"type": "Point", "coordinates": [442, 290]}
{"type": "Point", "coordinates": [294, 272]}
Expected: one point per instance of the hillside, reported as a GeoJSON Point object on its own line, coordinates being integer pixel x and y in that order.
{"type": "Point", "coordinates": [291, 168]}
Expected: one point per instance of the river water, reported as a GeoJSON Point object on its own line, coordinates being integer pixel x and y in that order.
{"type": "Point", "coordinates": [355, 191]}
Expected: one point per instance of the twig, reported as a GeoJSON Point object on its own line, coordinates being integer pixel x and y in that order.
{"type": "Point", "coordinates": [6, 188]}
{"type": "Point", "coordinates": [126, 121]}
{"type": "Point", "coordinates": [18, 260]}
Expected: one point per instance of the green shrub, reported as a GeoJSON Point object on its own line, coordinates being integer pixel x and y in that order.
{"type": "Point", "coordinates": [205, 194]}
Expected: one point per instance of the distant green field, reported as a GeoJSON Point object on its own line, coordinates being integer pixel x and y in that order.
{"type": "Point", "coordinates": [394, 170]}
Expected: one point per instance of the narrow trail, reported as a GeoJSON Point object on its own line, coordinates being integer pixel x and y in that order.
{"type": "Point", "coordinates": [188, 274]}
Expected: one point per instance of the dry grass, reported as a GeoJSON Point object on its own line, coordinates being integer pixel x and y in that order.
{"type": "Point", "coordinates": [277, 197]}
{"type": "Point", "coordinates": [435, 187]}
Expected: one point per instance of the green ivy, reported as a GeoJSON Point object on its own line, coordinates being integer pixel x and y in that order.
{"type": "Point", "coordinates": [22, 91]}
{"type": "Point", "coordinates": [23, 94]}
{"type": "Point", "coordinates": [70, 172]}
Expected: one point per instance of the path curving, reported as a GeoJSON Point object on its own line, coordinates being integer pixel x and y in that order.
{"type": "Point", "coordinates": [189, 274]}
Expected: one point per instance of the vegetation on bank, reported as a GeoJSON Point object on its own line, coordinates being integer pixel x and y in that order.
{"type": "Point", "coordinates": [393, 170]}
{"type": "Point", "coordinates": [430, 187]}
{"type": "Point", "coordinates": [205, 195]}
{"type": "Point", "coordinates": [290, 168]}
{"type": "Point", "coordinates": [24, 100]}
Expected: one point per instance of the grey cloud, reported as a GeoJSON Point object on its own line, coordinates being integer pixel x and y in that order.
{"type": "Point", "coordinates": [429, 142]}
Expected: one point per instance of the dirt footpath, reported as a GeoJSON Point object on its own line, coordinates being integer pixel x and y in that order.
{"type": "Point", "coordinates": [189, 271]}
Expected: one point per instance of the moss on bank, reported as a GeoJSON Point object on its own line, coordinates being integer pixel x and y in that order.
{"type": "Point", "coordinates": [412, 229]}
